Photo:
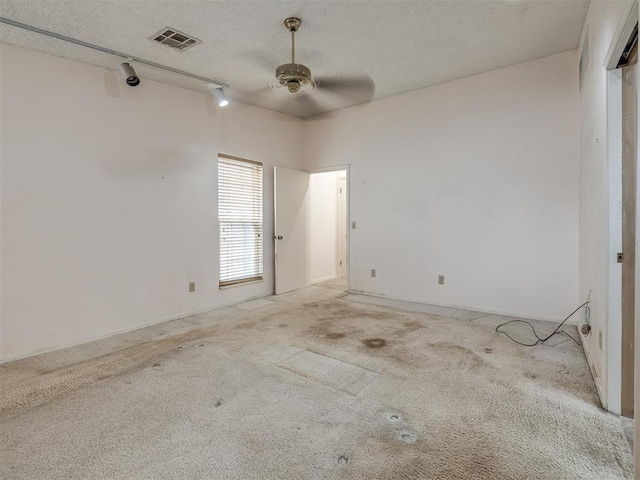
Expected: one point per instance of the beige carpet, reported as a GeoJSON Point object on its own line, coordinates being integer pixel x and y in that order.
{"type": "Point", "coordinates": [307, 386]}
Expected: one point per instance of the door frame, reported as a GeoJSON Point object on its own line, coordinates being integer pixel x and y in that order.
{"type": "Point", "coordinates": [613, 332]}
{"type": "Point", "coordinates": [346, 168]}
{"type": "Point", "coordinates": [341, 229]}
{"type": "Point", "coordinates": [613, 328]}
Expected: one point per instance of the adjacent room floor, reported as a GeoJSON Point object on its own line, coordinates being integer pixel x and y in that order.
{"type": "Point", "coordinates": [311, 384]}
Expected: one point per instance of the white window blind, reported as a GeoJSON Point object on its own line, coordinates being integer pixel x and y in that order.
{"type": "Point", "coordinates": [240, 216]}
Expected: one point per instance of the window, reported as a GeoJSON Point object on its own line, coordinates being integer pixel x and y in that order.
{"type": "Point", "coordinates": [240, 216]}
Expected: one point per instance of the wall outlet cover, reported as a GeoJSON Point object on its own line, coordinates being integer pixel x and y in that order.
{"type": "Point", "coordinates": [373, 272]}
{"type": "Point", "coordinates": [440, 279]}
{"type": "Point", "coordinates": [192, 286]}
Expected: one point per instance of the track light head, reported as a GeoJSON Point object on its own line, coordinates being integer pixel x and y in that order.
{"type": "Point", "coordinates": [129, 74]}
{"type": "Point", "coordinates": [218, 94]}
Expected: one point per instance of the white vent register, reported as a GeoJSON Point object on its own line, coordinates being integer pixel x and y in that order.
{"type": "Point", "coordinates": [175, 39]}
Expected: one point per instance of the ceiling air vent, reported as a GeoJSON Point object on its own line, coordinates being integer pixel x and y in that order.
{"type": "Point", "coordinates": [175, 39]}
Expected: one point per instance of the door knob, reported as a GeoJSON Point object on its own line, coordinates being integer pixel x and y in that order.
{"type": "Point", "coordinates": [279, 237]}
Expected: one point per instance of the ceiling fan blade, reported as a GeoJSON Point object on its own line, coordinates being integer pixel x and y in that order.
{"type": "Point", "coordinates": [308, 106]}
{"type": "Point", "coordinates": [262, 94]}
{"type": "Point", "coordinates": [359, 89]}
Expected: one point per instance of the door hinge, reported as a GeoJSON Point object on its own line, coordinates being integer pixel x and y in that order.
{"type": "Point", "coordinates": [340, 190]}
{"type": "Point", "coordinates": [340, 262]}
{"type": "Point", "coordinates": [620, 257]}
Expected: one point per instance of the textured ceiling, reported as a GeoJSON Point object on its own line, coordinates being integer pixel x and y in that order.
{"type": "Point", "coordinates": [399, 45]}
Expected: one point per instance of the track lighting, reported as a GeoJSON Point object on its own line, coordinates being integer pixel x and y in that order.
{"type": "Point", "coordinates": [130, 58]}
{"type": "Point", "coordinates": [129, 74]}
{"type": "Point", "coordinates": [218, 94]}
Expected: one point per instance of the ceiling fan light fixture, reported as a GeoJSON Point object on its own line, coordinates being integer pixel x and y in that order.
{"type": "Point", "coordinates": [294, 76]}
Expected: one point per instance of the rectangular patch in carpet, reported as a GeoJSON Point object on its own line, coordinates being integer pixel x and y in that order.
{"type": "Point", "coordinates": [329, 371]}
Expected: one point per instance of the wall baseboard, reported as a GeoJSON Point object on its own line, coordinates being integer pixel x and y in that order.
{"type": "Point", "coordinates": [323, 279]}
{"type": "Point", "coordinates": [463, 307]}
{"type": "Point", "coordinates": [594, 373]}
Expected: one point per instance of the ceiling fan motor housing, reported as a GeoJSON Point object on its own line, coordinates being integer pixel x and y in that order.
{"type": "Point", "coordinates": [293, 76]}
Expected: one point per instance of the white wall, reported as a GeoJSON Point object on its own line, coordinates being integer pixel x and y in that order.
{"type": "Point", "coordinates": [109, 199]}
{"type": "Point", "coordinates": [109, 196]}
{"type": "Point", "coordinates": [323, 224]}
{"type": "Point", "coordinates": [603, 20]}
{"type": "Point", "coordinates": [475, 179]}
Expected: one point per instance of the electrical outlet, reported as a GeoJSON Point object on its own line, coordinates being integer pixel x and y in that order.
{"type": "Point", "coordinates": [353, 225]}
{"type": "Point", "coordinates": [600, 339]}
{"type": "Point", "coordinates": [192, 286]}
{"type": "Point", "coordinates": [440, 279]}
{"type": "Point", "coordinates": [373, 272]}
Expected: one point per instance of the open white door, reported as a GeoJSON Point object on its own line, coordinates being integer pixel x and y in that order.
{"type": "Point", "coordinates": [291, 229]}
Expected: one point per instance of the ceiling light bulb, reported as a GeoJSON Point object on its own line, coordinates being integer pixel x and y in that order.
{"type": "Point", "coordinates": [129, 74]}
{"type": "Point", "coordinates": [218, 94]}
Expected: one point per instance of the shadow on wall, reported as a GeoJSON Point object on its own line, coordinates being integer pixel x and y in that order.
{"type": "Point", "coordinates": [111, 85]}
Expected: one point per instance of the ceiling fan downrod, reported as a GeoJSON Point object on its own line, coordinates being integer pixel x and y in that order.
{"type": "Point", "coordinates": [293, 24]}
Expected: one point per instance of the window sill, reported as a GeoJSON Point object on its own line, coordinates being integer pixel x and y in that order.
{"type": "Point", "coordinates": [241, 284]}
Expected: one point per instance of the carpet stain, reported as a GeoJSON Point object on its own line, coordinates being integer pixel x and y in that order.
{"type": "Point", "coordinates": [414, 325]}
{"type": "Point", "coordinates": [488, 350]}
{"type": "Point", "coordinates": [311, 304]}
{"type": "Point", "coordinates": [331, 328]}
{"type": "Point", "coordinates": [462, 355]}
{"type": "Point", "coordinates": [416, 458]}
{"type": "Point", "coordinates": [375, 342]}
{"type": "Point", "coordinates": [245, 325]}
{"type": "Point", "coordinates": [335, 336]}
{"type": "Point", "coordinates": [339, 312]}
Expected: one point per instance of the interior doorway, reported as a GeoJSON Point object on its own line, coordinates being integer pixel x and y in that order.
{"type": "Point", "coordinates": [311, 234]}
{"type": "Point", "coordinates": [328, 228]}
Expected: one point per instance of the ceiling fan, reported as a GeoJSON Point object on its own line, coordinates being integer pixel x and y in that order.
{"type": "Point", "coordinates": [296, 81]}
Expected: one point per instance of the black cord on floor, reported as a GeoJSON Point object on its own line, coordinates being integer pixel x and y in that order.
{"type": "Point", "coordinates": [540, 339]}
